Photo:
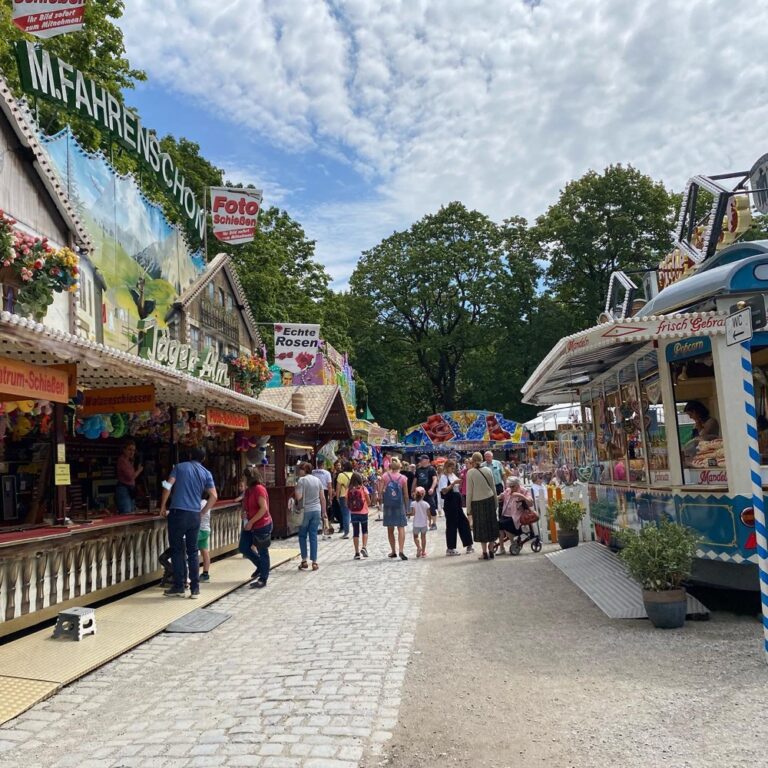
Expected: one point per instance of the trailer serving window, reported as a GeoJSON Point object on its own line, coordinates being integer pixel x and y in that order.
{"type": "Point", "coordinates": [653, 420]}
{"type": "Point", "coordinates": [702, 454]}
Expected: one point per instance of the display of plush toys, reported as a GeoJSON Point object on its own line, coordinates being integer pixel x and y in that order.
{"type": "Point", "coordinates": [25, 417]}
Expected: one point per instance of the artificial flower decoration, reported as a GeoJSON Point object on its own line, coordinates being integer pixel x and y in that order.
{"type": "Point", "coordinates": [249, 373]}
{"type": "Point", "coordinates": [34, 270]}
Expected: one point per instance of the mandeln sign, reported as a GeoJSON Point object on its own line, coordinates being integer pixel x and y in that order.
{"type": "Point", "coordinates": [51, 78]}
{"type": "Point", "coordinates": [48, 18]}
{"type": "Point", "coordinates": [235, 213]}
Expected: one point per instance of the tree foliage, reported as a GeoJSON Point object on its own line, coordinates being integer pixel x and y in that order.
{"type": "Point", "coordinates": [620, 219]}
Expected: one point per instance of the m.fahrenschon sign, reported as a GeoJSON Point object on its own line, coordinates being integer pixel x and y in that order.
{"type": "Point", "coordinates": [51, 78]}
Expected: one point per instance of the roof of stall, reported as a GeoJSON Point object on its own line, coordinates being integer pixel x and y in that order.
{"type": "Point", "coordinates": [579, 359]}
{"type": "Point", "coordinates": [99, 366]}
{"type": "Point", "coordinates": [738, 269]}
{"type": "Point", "coordinates": [322, 407]}
{"type": "Point", "coordinates": [20, 120]}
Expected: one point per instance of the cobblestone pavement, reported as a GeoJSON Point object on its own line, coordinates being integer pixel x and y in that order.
{"type": "Point", "coordinates": [306, 673]}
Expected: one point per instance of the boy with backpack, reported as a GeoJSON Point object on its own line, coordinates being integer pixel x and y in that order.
{"type": "Point", "coordinates": [357, 503]}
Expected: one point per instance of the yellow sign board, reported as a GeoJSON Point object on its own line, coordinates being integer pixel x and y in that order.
{"type": "Point", "coordinates": [61, 476]}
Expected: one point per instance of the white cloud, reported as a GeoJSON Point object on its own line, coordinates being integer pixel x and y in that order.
{"type": "Point", "coordinates": [497, 103]}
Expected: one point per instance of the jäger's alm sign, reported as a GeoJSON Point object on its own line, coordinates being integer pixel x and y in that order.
{"type": "Point", "coordinates": [235, 213]}
{"type": "Point", "coordinates": [48, 18]}
{"type": "Point", "coordinates": [296, 346]}
{"type": "Point", "coordinates": [53, 79]}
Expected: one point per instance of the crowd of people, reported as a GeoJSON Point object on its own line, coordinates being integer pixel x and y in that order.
{"type": "Point", "coordinates": [482, 499]}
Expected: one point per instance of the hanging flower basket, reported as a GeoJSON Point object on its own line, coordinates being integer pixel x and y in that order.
{"type": "Point", "coordinates": [31, 271]}
{"type": "Point", "coordinates": [249, 374]}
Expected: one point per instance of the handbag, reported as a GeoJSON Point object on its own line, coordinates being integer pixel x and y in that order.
{"type": "Point", "coordinates": [529, 517]}
{"type": "Point", "coordinates": [295, 514]}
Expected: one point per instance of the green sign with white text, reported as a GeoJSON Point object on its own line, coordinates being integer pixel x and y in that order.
{"type": "Point", "coordinates": [51, 78]}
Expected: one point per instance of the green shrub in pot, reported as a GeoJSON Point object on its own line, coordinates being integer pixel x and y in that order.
{"type": "Point", "coordinates": [567, 515]}
{"type": "Point", "coordinates": [660, 557]}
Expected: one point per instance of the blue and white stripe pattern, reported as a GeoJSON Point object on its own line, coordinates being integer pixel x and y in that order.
{"type": "Point", "coordinates": [758, 504]}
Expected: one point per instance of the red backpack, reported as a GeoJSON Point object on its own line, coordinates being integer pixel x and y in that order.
{"type": "Point", "coordinates": [355, 500]}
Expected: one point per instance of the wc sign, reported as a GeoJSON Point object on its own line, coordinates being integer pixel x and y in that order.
{"type": "Point", "coordinates": [738, 327]}
{"type": "Point", "coordinates": [235, 213]}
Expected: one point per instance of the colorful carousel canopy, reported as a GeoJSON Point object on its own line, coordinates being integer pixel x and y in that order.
{"type": "Point", "coordinates": [465, 430]}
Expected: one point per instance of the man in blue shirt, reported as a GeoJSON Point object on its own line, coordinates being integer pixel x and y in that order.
{"type": "Point", "coordinates": [190, 482]}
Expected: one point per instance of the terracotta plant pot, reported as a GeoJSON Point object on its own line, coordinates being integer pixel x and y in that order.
{"type": "Point", "coordinates": [666, 609]}
{"type": "Point", "coordinates": [567, 539]}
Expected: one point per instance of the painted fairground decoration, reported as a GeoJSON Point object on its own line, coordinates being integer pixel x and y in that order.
{"type": "Point", "coordinates": [144, 260]}
{"type": "Point", "coordinates": [328, 366]}
{"type": "Point", "coordinates": [465, 426]}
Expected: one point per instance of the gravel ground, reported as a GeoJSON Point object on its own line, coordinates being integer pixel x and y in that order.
{"type": "Point", "coordinates": [514, 666]}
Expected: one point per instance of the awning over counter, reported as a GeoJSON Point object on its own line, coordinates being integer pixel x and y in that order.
{"type": "Point", "coordinates": [99, 366]}
{"type": "Point", "coordinates": [577, 360]}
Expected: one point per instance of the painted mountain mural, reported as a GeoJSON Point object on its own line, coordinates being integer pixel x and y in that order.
{"type": "Point", "coordinates": [132, 238]}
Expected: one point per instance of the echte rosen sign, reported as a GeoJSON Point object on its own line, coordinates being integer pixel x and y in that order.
{"type": "Point", "coordinates": [48, 18]}
{"type": "Point", "coordinates": [235, 213]}
{"type": "Point", "coordinates": [23, 381]}
{"type": "Point", "coordinates": [296, 346]}
{"type": "Point", "coordinates": [215, 417]}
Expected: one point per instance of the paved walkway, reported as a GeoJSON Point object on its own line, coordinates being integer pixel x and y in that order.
{"type": "Point", "coordinates": [443, 662]}
{"type": "Point", "coordinates": [307, 672]}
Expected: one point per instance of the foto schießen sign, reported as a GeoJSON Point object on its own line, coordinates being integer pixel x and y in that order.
{"type": "Point", "coordinates": [51, 78]}
{"type": "Point", "coordinates": [159, 347]}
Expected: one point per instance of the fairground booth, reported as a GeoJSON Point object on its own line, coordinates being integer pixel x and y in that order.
{"type": "Point", "coordinates": [325, 418]}
{"type": "Point", "coordinates": [673, 386]}
{"type": "Point", "coordinates": [113, 329]}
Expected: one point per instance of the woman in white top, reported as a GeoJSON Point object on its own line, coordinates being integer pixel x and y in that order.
{"type": "Point", "coordinates": [482, 504]}
{"type": "Point", "coordinates": [455, 519]}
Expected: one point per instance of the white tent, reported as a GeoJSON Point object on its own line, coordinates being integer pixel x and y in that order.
{"type": "Point", "coordinates": [553, 417]}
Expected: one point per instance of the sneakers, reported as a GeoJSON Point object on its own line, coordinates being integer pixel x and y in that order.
{"type": "Point", "coordinates": [470, 549]}
{"type": "Point", "coordinates": [433, 527]}
{"type": "Point", "coordinates": [194, 594]}
{"type": "Point", "coordinates": [174, 592]}
{"type": "Point", "coordinates": [205, 576]}
{"type": "Point", "coordinates": [357, 556]}
{"type": "Point", "coordinates": [364, 552]}
{"type": "Point", "coordinates": [345, 536]}
{"type": "Point", "coordinates": [258, 584]}
{"type": "Point", "coordinates": [451, 552]}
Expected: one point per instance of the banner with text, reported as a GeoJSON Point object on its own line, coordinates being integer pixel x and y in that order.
{"type": "Point", "coordinates": [48, 18]}
{"type": "Point", "coordinates": [235, 213]}
{"type": "Point", "coordinates": [118, 400]}
{"type": "Point", "coordinates": [215, 417]}
{"type": "Point", "coordinates": [296, 346]}
{"type": "Point", "coordinates": [24, 381]}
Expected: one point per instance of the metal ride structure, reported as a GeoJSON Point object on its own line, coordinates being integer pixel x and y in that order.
{"type": "Point", "coordinates": [654, 356]}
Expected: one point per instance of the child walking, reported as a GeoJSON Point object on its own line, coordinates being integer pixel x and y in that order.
{"type": "Point", "coordinates": [357, 503]}
{"type": "Point", "coordinates": [420, 511]}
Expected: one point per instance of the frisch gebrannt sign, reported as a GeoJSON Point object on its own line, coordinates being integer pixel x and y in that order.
{"type": "Point", "coordinates": [51, 78]}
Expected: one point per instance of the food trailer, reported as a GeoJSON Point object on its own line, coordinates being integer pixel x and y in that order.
{"type": "Point", "coordinates": [676, 409]}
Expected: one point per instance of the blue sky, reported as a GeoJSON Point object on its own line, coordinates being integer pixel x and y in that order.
{"type": "Point", "coordinates": [360, 116]}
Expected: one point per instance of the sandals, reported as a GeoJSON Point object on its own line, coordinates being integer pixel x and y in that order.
{"type": "Point", "coordinates": [315, 566]}
{"type": "Point", "coordinates": [303, 566]}
{"type": "Point", "coordinates": [484, 556]}
{"type": "Point", "coordinates": [392, 555]}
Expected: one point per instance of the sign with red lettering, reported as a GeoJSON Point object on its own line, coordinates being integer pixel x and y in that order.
{"type": "Point", "coordinates": [24, 381]}
{"type": "Point", "coordinates": [235, 213]}
{"type": "Point", "coordinates": [215, 417]}
{"type": "Point", "coordinates": [118, 400]}
{"type": "Point", "coordinates": [296, 346]}
{"type": "Point", "coordinates": [48, 18]}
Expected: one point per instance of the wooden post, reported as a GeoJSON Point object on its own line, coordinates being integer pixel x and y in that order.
{"type": "Point", "coordinates": [174, 436]}
{"type": "Point", "coordinates": [59, 438]}
{"type": "Point", "coordinates": [280, 457]}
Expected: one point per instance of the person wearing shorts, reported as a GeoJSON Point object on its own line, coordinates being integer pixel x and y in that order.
{"type": "Point", "coordinates": [359, 518]}
{"type": "Point", "coordinates": [421, 511]}
{"type": "Point", "coordinates": [204, 542]}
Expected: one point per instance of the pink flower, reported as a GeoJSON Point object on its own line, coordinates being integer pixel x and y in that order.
{"type": "Point", "coordinates": [39, 263]}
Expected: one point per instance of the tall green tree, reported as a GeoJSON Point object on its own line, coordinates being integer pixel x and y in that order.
{"type": "Point", "coordinates": [619, 219]}
{"type": "Point", "coordinates": [428, 289]}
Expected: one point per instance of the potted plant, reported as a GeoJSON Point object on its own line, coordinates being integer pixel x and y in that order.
{"type": "Point", "coordinates": [660, 557]}
{"type": "Point", "coordinates": [567, 515]}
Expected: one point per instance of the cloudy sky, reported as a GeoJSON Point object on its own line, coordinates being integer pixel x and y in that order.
{"type": "Point", "coordinates": [360, 116]}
